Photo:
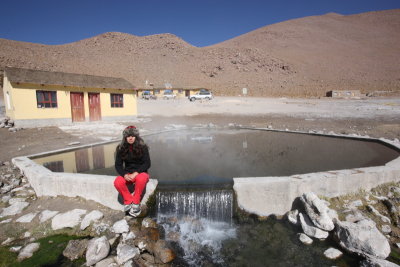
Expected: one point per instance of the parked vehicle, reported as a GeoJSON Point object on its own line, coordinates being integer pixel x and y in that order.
{"type": "Point", "coordinates": [202, 94]}
{"type": "Point", "coordinates": [168, 94]}
{"type": "Point", "coordinates": [148, 95]}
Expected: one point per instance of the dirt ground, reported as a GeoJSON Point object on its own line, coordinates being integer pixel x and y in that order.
{"type": "Point", "coordinates": [375, 117]}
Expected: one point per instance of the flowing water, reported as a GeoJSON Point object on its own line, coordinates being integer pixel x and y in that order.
{"type": "Point", "coordinates": [199, 221]}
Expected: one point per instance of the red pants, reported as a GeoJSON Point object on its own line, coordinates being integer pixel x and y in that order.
{"type": "Point", "coordinates": [140, 182]}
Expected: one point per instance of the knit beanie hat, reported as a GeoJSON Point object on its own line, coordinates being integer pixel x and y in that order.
{"type": "Point", "coordinates": [130, 131]}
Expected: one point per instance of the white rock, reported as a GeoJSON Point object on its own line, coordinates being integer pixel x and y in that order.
{"type": "Point", "coordinates": [100, 227]}
{"type": "Point", "coordinates": [386, 229]}
{"type": "Point", "coordinates": [98, 249]}
{"type": "Point", "coordinates": [377, 213]}
{"type": "Point", "coordinates": [292, 216]}
{"type": "Point", "coordinates": [47, 214]}
{"type": "Point", "coordinates": [6, 221]}
{"type": "Point", "coordinates": [332, 253]}
{"type": "Point", "coordinates": [375, 262]}
{"type": "Point", "coordinates": [126, 253]}
{"type": "Point", "coordinates": [15, 249]}
{"type": "Point", "coordinates": [362, 238]}
{"type": "Point", "coordinates": [27, 234]}
{"type": "Point", "coordinates": [128, 236]}
{"type": "Point", "coordinates": [356, 216]}
{"type": "Point", "coordinates": [7, 241]}
{"type": "Point", "coordinates": [28, 251]}
{"type": "Point", "coordinates": [305, 239]}
{"type": "Point", "coordinates": [309, 229]}
{"type": "Point", "coordinates": [14, 209]}
{"type": "Point", "coordinates": [317, 211]}
{"type": "Point", "coordinates": [93, 216]}
{"type": "Point", "coordinates": [333, 215]}
{"type": "Point", "coordinates": [355, 204]}
{"type": "Point", "coordinates": [68, 219]}
{"type": "Point", "coordinates": [27, 218]}
{"type": "Point", "coordinates": [120, 227]}
{"type": "Point", "coordinates": [15, 200]}
{"type": "Point", "coordinates": [108, 262]}
{"type": "Point", "coordinates": [5, 198]}
{"type": "Point", "coordinates": [128, 264]}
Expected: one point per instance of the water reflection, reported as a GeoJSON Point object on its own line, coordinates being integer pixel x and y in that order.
{"type": "Point", "coordinates": [214, 157]}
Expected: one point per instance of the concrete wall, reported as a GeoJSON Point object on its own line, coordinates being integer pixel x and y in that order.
{"type": "Point", "coordinates": [265, 196]}
{"type": "Point", "coordinates": [99, 188]}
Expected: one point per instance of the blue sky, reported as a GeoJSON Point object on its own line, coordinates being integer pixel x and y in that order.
{"type": "Point", "coordinates": [198, 22]}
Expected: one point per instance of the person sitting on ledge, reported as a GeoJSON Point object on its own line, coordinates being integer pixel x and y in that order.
{"type": "Point", "coordinates": [132, 162]}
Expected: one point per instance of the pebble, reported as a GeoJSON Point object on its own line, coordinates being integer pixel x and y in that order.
{"type": "Point", "coordinates": [305, 239]}
{"type": "Point", "coordinates": [15, 249]}
{"type": "Point", "coordinates": [332, 253]}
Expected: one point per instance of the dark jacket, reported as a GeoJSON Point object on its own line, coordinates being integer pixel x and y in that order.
{"type": "Point", "coordinates": [131, 165]}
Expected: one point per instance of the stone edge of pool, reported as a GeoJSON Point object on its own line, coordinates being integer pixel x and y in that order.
{"type": "Point", "coordinates": [263, 196]}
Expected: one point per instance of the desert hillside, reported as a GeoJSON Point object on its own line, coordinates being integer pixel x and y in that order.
{"type": "Point", "coordinates": [302, 57]}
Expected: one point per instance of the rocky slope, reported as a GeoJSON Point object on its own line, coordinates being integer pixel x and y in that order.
{"type": "Point", "coordinates": [301, 57]}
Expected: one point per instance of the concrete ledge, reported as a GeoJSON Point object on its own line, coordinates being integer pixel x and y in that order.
{"type": "Point", "coordinates": [265, 196]}
{"type": "Point", "coordinates": [99, 188]}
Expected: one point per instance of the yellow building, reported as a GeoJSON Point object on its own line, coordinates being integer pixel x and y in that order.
{"type": "Point", "coordinates": [35, 97]}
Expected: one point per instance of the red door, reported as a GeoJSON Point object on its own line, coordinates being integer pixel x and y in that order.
{"type": "Point", "coordinates": [77, 107]}
{"type": "Point", "coordinates": [94, 107]}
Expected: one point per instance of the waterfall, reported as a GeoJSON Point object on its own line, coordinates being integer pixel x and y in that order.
{"type": "Point", "coordinates": [215, 205]}
{"type": "Point", "coordinates": [199, 221]}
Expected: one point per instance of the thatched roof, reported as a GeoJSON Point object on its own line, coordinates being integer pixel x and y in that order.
{"type": "Point", "coordinates": [19, 75]}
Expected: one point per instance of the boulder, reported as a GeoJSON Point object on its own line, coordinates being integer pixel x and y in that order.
{"type": "Point", "coordinates": [98, 249]}
{"type": "Point", "coordinates": [126, 252]}
{"type": "Point", "coordinates": [163, 252]}
{"type": "Point", "coordinates": [362, 238]}
{"type": "Point", "coordinates": [121, 226]}
{"type": "Point", "coordinates": [68, 219]}
{"type": "Point", "coordinates": [93, 216]}
{"type": "Point", "coordinates": [317, 211]}
{"type": "Point", "coordinates": [374, 262]}
{"type": "Point", "coordinates": [311, 230]}
{"type": "Point", "coordinates": [28, 251]}
{"type": "Point", "coordinates": [75, 249]}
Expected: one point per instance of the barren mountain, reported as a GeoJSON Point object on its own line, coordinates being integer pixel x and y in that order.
{"type": "Point", "coordinates": [301, 57]}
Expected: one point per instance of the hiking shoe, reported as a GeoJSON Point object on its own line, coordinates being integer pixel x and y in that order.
{"type": "Point", "coordinates": [127, 207]}
{"type": "Point", "coordinates": [134, 210]}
